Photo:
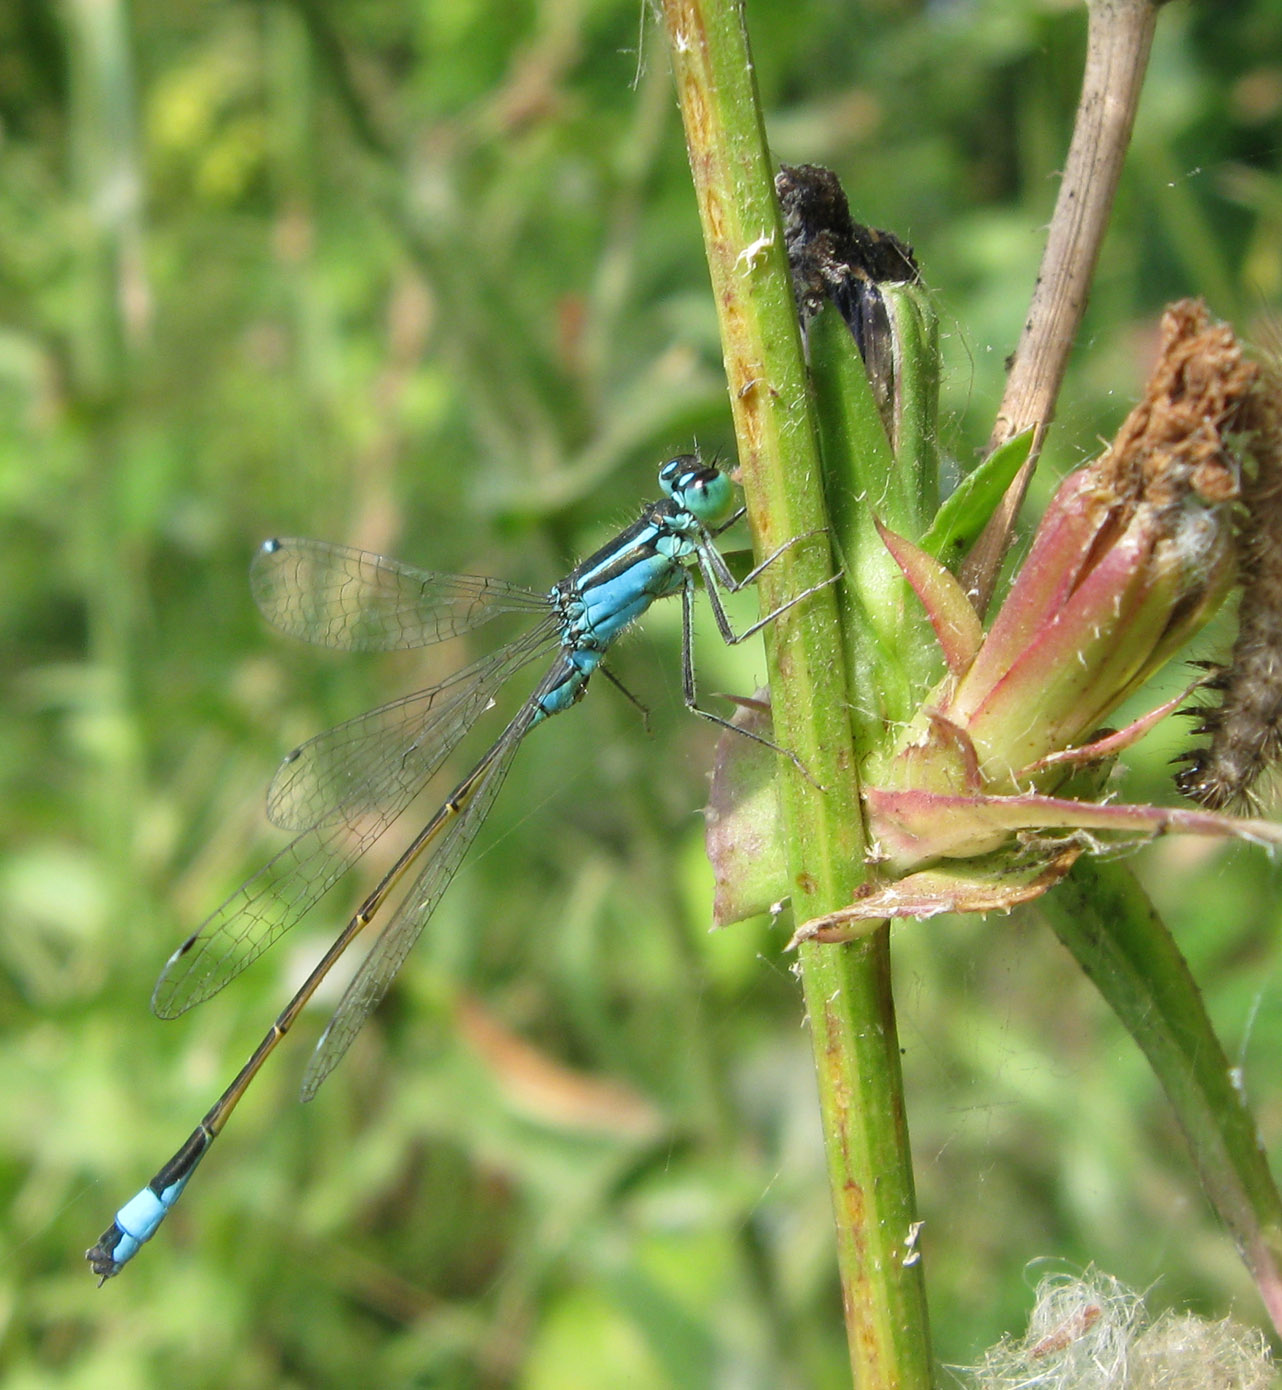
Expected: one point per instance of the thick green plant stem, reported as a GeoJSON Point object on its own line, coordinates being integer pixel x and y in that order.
{"type": "Point", "coordinates": [847, 990]}
{"type": "Point", "coordinates": [1104, 917]}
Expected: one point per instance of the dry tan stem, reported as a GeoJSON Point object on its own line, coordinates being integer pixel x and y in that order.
{"type": "Point", "coordinates": [1119, 37]}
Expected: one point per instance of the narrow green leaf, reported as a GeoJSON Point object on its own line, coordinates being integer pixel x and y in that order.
{"type": "Point", "coordinates": [1105, 919]}
{"type": "Point", "coordinates": [964, 515]}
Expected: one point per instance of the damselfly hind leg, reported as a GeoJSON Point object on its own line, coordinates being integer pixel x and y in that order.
{"type": "Point", "coordinates": [733, 638]}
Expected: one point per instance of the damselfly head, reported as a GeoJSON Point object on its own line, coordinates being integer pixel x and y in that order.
{"type": "Point", "coordinates": [673, 473]}
{"type": "Point", "coordinates": [702, 489]}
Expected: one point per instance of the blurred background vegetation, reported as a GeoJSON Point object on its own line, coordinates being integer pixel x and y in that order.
{"type": "Point", "coordinates": [427, 278]}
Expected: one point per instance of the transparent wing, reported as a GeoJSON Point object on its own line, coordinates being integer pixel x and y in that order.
{"type": "Point", "coordinates": [261, 911]}
{"type": "Point", "coordinates": [396, 940]}
{"type": "Point", "coordinates": [334, 596]}
{"type": "Point", "coordinates": [403, 750]}
{"type": "Point", "coordinates": [367, 762]}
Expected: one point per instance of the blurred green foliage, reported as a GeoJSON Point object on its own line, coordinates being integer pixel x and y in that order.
{"type": "Point", "coordinates": [427, 278]}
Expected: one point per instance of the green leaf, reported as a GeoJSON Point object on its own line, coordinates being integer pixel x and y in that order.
{"type": "Point", "coordinates": [1105, 919]}
{"type": "Point", "coordinates": [966, 512]}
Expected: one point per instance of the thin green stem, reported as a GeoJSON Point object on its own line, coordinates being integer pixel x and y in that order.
{"type": "Point", "coordinates": [1105, 919]}
{"type": "Point", "coordinates": [847, 990]}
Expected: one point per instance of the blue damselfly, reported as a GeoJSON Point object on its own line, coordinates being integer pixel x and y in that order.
{"type": "Point", "coordinates": [341, 790]}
